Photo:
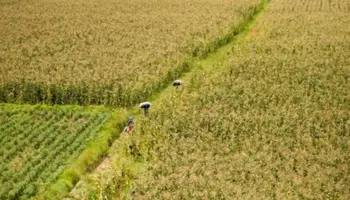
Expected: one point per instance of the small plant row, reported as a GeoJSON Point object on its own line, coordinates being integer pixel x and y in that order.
{"type": "Point", "coordinates": [36, 150]}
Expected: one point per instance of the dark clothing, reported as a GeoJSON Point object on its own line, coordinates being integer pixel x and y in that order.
{"type": "Point", "coordinates": [177, 83]}
{"type": "Point", "coordinates": [146, 106]}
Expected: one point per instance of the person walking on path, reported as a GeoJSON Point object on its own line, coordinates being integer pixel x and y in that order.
{"type": "Point", "coordinates": [177, 83]}
{"type": "Point", "coordinates": [130, 125]}
{"type": "Point", "coordinates": [145, 106]}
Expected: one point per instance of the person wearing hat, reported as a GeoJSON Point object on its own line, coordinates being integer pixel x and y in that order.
{"type": "Point", "coordinates": [177, 83]}
{"type": "Point", "coordinates": [145, 106]}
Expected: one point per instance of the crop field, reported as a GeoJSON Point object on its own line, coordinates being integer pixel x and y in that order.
{"type": "Point", "coordinates": [105, 52]}
{"type": "Point", "coordinates": [272, 122]}
{"type": "Point", "coordinates": [266, 116]}
{"type": "Point", "coordinates": [38, 142]}
{"type": "Point", "coordinates": [90, 52]}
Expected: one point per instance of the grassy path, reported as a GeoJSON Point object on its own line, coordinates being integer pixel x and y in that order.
{"type": "Point", "coordinates": [211, 62]}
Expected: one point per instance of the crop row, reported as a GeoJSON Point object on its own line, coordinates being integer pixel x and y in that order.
{"type": "Point", "coordinates": [315, 6]}
{"type": "Point", "coordinates": [37, 148]}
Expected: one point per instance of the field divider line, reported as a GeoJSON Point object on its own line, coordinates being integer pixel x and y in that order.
{"type": "Point", "coordinates": [208, 62]}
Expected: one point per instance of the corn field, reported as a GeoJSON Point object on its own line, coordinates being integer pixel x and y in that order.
{"type": "Point", "coordinates": [271, 121]}
{"type": "Point", "coordinates": [265, 118]}
{"type": "Point", "coordinates": [105, 52]}
{"type": "Point", "coordinates": [38, 142]}
{"type": "Point", "coordinates": [89, 52]}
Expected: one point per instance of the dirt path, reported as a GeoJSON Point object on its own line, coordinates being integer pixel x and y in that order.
{"type": "Point", "coordinates": [102, 170]}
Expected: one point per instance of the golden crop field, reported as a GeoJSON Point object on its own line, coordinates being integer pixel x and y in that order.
{"type": "Point", "coordinates": [271, 123]}
{"type": "Point", "coordinates": [90, 52]}
{"type": "Point", "coordinates": [105, 52]}
{"type": "Point", "coordinates": [266, 116]}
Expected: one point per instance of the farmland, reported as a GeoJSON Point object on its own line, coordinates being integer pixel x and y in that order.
{"type": "Point", "coordinates": [124, 52]}
{"type": "Point", "coordinates": [105, 52]}
{"type": "Point", "coordinates": [38, 142]}
{"type": "Point", "coordinates": [263, 112]}
{"type": "Point", "coordinates": [270, 121]}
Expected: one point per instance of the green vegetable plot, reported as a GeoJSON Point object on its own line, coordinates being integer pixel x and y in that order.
{"type": "Point", "coordinates": [37, 142]}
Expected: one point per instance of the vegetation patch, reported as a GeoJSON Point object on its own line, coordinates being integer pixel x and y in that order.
{"type": "Point", "coordinates": [38, 143]}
